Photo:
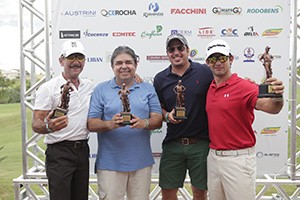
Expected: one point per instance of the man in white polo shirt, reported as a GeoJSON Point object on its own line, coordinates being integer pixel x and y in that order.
{"type": "Point", "coordinates": [67, 154]}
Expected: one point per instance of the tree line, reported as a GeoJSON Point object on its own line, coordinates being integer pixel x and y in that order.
{"type": "Point", "coordinates": [10, 89]}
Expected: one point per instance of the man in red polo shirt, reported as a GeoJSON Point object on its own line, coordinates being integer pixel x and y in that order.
{"type": "Point", "coordinates": [230, 105]}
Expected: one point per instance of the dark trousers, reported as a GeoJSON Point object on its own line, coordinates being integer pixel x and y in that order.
{"type": "Point", "coordinates": [67, 169]}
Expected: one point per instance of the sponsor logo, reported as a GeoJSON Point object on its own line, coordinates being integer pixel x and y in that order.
{"type": "Point", "coordinates": [153, 9]}
{"type": "Point", "coordinates": [270, 130]}
{"type": "Point", "coordinates": [153, 33]}
{"type": "Point", "coordinates": [193, 53]}
{"type": "Point", "coordinates": [273, 10]}
{"type": "Point", "coordinates": [229, 32]}
{"type": "Point", "coordinates": [272, 32]}
{"type": "Point", "coordinates": [188, 11]}
{"type": "Point", "coordinates": [91, 34]}
{"type": "Point", "coordinates": [249, 54]}
{"type": "Point", "coordinates": [206, 32]}
{"type": "Point", "coordinates": [94, 59]}
{"type": "Point", "coordinates": [79, 13]}
{"type": "Point", "coordinates": [69, 34]}
{"type": "Point", "coordinates": [251, 32]}
{"type": "Point", "coordinates": [194, 57]}
{"type": "Point", "coordinates": [227, 11]}
{"type": "Point", "coordinates": [157, 58]}
{"type": "Point", "coordinates": [110, 13]}
{"type": "Point", "coordinates": [270, 154]}
{"type": "Point", "coordinates": [150, 79]}
{"type": "Point", "coordinates": [123, 34]}
{"type": "Point", "coordinates": [182, 32]}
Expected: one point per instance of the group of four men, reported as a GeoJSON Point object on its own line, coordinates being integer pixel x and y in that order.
{"type": "Point", "coordinates": [215, 144]}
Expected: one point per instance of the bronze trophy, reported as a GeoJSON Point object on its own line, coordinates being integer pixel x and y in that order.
{"type": "Point", "coordinates": [62, 109]}
{"type": "Point", "coordinates": [265, 90]}
{"type": "Point", "coordinates": [180, 111]}
{"type": "Point", "coordinates": [126, 115]}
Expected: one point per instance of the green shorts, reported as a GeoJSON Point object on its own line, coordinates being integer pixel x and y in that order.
{"type": "Point", "coordinates": [177, 159]}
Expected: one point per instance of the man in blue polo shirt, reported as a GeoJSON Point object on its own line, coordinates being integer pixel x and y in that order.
{"type": "Point", "coordinates": [185, 146]}
{"type": "Point", "coordinates": [124, 159]}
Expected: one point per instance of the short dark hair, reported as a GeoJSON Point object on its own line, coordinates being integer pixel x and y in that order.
{"type": "Point", "coordinates": [124, 49]}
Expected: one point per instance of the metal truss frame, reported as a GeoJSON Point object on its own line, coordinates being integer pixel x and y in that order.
{"type": "Point", "coordinates": [32, 184]}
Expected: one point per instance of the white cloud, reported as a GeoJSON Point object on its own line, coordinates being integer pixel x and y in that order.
{"type": "Point", "coordinates": [9, 40]}
{"type": "Point", "coordinates": [9, 13]}
{"type": "Point", "coordinates": [9, 34]}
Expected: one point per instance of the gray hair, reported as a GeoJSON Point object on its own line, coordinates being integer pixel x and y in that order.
{"type": "Point", "coordinates": [124, 49]}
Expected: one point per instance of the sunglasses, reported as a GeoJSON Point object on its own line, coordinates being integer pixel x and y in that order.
{"type": "Point", "coordinates": [179, 48]}
{"type": "Point", "coordinates": [72, 58]}
{"type": "Point", "coordinates": [214, 59]}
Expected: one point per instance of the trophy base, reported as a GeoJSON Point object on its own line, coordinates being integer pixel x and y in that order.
{"type": "Point", "coordinates": [266, 91]}
{"type": "Point", "coordinates": [126, 116]}
{"type": "Point", "coordinates": [180, 113]}
{"type": "Point", "coordinates": [58, 112]}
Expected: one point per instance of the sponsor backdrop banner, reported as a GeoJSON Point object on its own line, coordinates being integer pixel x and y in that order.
{"type": "Point", "coordinates": [248, 26]}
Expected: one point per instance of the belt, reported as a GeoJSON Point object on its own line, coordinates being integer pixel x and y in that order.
{"type": "Point", "coordinates": [188, 141]}
{"type": "Point", "coordinates": [233, 152]}
{"type": "Point", "coordinates": [76, 144]}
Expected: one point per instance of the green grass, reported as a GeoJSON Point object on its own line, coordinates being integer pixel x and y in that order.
{"type": "Point", "coordinates": [10, 140]}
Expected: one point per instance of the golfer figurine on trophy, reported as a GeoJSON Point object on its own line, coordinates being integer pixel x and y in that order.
{"type": "Point", "coordinates": [180, 111]}
{"type": "Point", "coordinates": [265, 89]}
{"type": "Point", "coordinates": [62, 109]}
{"type": "Point", "coordinates": [126, 115]}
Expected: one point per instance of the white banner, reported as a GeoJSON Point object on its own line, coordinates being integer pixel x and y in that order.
{"type": "Point", "coordinates": [248, 26]}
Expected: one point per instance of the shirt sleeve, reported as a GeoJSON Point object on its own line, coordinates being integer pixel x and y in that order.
{"type": "Point", "coordinates": [154, 104]}
{"type": "Point", "coordinates": [251, 91]}
{"type": "Point", "coordinates": [96, 105]}
{"type": "Point", "coordinates": [157, 86]}
{"type": "Point", "coordinates": [43, 100]}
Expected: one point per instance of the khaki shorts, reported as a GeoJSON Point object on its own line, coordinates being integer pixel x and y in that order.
{"type": "Point", "coordinates": [177, 158]}
{"type": "Point", "coordinates": [231, 176]}
{"type": "Point", "coordinates": [113, 185]}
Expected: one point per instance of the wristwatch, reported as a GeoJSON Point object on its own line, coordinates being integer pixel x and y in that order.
{"type": "Point", "coordinates": [49, 130]}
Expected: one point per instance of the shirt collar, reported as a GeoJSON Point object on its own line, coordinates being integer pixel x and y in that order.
{"type": "Point", "coordinates": [63, 80]}
{"type": "Point", "coordinates": [114, 85]}
{"type": "Point", "coordinates": [169, 70]}
{"type": "Point", "coordinates": [230, 81]}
